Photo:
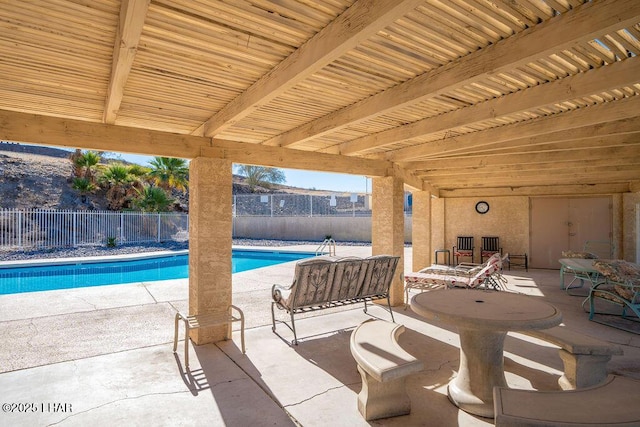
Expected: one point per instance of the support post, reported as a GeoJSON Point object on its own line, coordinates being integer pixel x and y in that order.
{"type": "Point", "coordinates": [421, 230]}
{"type": "Point", "coordinates": [387, 228]}
{"type": "Point", "coordinates": [437, 227]}
{"type": "Point", "coordinates": [210, 240]}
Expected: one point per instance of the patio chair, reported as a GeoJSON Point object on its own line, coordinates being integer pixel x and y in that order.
{"type": "Point", "coordinates": [490, 246]}
{"type": "Point", "coordinates": [621, 287]}
{"type": "Point", "coordinates": [464, 248]}
{"type": "Point", "coordinates": [579, 275]}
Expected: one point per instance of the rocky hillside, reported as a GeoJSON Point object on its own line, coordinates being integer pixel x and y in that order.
{"type": "Point", "coordinates": [34, 177]}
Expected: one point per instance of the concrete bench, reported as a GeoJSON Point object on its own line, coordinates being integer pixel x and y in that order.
{"type": "Point", "coordinates": [384, 366]}
{"type": "Point", "coordinates": [585, 358]}
{"type": "Point", "coordinates": [613, 402]}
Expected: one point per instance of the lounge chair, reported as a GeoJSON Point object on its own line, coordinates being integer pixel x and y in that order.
{"type": "Point", "coordinates": [579, 275]}
{"type": "Point", "coordinates": [621, 287]}
{"type": "Point", "coordinates": [465, 275]}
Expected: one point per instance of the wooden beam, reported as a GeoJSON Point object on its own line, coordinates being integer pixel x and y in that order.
{"type": "Point", "coordinates": [412, 181]}
{"type": "Point", "coordinates": [255, 154]}
{"type": "Point", "coordinates": [59, 132]}
{"type": "Point", "coordinates": [261, 155]}
{"type": "Point", "coordinates": [579, 25]}
{"type": "Point", "coordinates": [358, 23]}
{"type": "Point", "coordinates": [622, 109]}
{"type": "Point", "coordinates": [540, 168]}
{"type": "Point", "coordinates": [535, 178]}
{"type": "Point", "coordinates": [54, 131]}
{"type": "Point", "coordinates": [544, 190]}
{"type": "Point", "coordinates": [562, 148]}
{"type": "Point", "coordinates": [619, 132]}
{"type": "Point", "coordinates": [620, 74]}
{"type": "Point", "coordinates": [132, 16]}
{"type": "Point", "coordinates": [525, 158]}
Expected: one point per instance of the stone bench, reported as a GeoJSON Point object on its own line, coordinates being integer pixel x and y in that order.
{"type": "Point", "coordinates": [585, 358]}
{"type": "Point", "coordinates": [613, 402]}
{"type": "Point", "coordinates": [384, 366]}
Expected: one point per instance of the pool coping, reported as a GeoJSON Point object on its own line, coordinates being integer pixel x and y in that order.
{"type": "Point", "coordinates": [39, 262]}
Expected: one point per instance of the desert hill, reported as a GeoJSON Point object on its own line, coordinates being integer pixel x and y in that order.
{"type": "Point", "coordinates": [35, 177]}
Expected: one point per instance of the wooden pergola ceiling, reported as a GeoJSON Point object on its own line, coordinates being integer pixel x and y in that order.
{"type": "Point", "coordinates": [459, 97]}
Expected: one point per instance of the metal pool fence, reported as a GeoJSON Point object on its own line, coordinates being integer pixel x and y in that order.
{"type": "Point", "coordinates": [282, 204]}
{"type": "Point", "coordinates": [35, 228]}
{"type": "Point", "coordinates": [273, 205]}
{"type": "Point", "coordinates": [52, 228]}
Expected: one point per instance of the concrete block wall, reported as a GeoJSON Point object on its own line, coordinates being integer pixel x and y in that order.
{"type": "Point", "coordinates": [352, 229]}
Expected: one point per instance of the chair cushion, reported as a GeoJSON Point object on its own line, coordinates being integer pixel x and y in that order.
{"type": "Point", "coordinates": [624, 275]}
{"type": "Point", "coordinates": [461, 252]}
{"type": "Point", "coordinates": [583, 255]}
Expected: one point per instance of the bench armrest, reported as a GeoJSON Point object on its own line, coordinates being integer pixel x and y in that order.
{"type": "Point", "coordinates": [280, 293]}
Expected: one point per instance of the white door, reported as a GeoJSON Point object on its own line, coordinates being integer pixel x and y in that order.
{"type": "Point", "coordinates": [560, 224]}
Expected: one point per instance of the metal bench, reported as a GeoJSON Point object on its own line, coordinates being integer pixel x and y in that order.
{"type": "Point", "coordinates": [613, 402]}
{"type": "Point", "coordinates": [585, 358]}
{"type": "Point", "coordinates": [326, 282]}
{"type": "Point", "coordinates": [383, 366]}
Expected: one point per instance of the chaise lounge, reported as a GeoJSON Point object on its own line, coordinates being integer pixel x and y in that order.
{"type": "Point", "coordinates": [463, 276]}
{"type": "Point", "coordinates": [621, 287]}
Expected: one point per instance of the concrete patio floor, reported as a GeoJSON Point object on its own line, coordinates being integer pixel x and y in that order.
{"type": "Point", "coordinates": [103, 355]}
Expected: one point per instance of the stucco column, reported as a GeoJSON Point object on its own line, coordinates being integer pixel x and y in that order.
{"type": "Point", "coordinates": [421, 230]}
{"type": "Point", "coordinates": [210, 240]}
{"type": "Point", "coordinates": [387, 227]}
{"type": "Point", "coordinates": [438, 235]}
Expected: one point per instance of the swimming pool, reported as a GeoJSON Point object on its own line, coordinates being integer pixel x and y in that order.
{"type": "Point", "coordinates": [48, 276]}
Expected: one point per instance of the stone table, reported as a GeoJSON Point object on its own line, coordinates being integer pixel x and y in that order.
{"type": "Point", "coordinates": [483, 319]}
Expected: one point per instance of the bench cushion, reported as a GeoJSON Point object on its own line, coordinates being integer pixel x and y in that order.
{"type": "Point", "coordinates": [615, 402]}
{"type": "Point", "coordinates": [375, 349]}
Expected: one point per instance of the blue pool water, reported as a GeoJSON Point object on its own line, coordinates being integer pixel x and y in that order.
{"type": "Point", "coordinates": [78, 275]}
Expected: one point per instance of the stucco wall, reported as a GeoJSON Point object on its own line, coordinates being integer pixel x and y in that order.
{"type": "Point", "coordinates": [507, 218]}
{"type": "Point", "coordinates": [354, 229]}
{"type": "Point", "coordinates": [630, 204]}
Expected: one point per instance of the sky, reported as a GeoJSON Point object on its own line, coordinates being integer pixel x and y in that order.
{"type": "Point", "coordinates": [299, 178]}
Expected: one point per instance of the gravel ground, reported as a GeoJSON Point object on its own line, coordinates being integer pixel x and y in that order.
{"type": "Point", "coordinates": [85, 251]}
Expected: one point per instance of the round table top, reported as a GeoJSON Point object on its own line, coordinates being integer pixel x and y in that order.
{"type": "Point", "coordinates": [486, 310]}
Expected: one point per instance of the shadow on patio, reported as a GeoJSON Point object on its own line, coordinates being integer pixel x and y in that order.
{"type": "Point", "coordinates": [106, 351]}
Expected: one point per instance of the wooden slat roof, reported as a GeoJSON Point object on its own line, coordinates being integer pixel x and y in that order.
{"type": "Point", "coordinates": [466, 97]}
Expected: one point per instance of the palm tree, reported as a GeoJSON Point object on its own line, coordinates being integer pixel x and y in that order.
{"type": "Point", "coordinates": [122, 184]}
{"type": "Point", "coordinates": [152, 199]}
{"type": "Point", "coordinates": [84, 186]}
{"type": "Point", "coordinates": [138, 170]}
{"type": "Point", "coordinates": [86, 161]}
{"type": "Point", "coordinates": [74, 157]}
{"type": "Point", "coordinates": [169, 172]}
{"type": "Point", "coordinates": [261, 176]}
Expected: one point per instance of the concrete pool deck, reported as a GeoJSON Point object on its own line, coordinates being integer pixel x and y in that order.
{"type": "Point", "coordinates": [103, 355]}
